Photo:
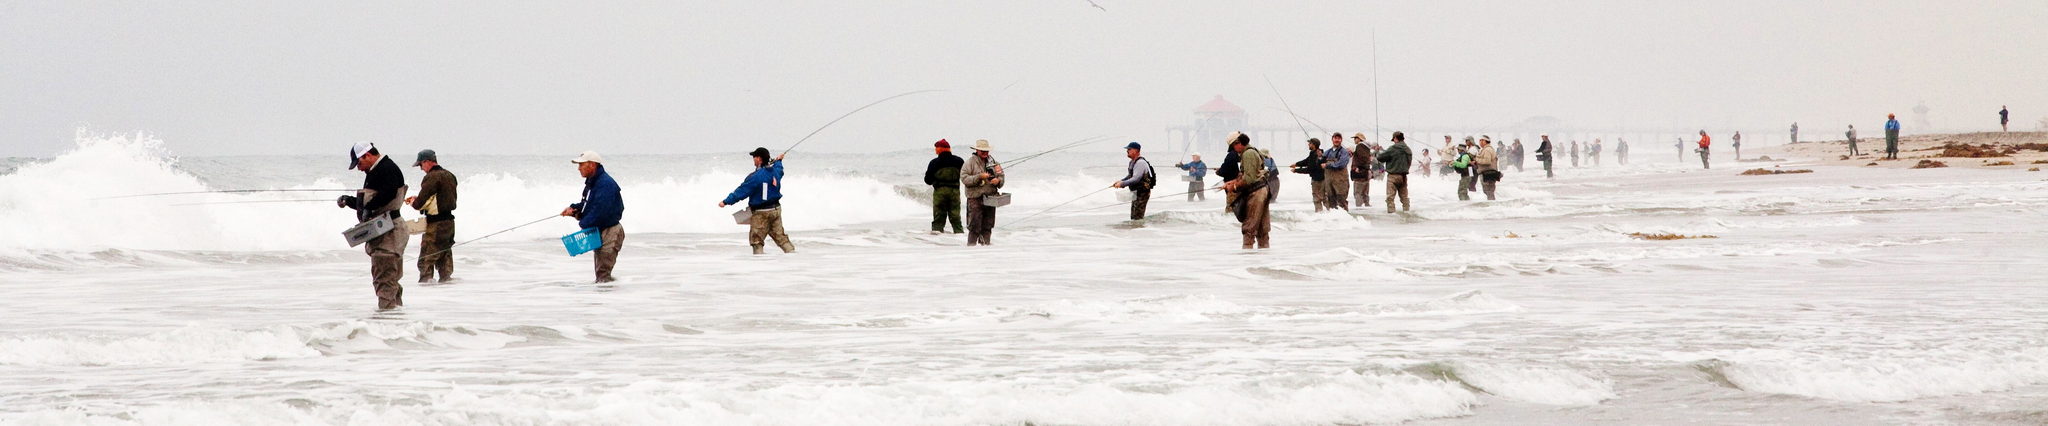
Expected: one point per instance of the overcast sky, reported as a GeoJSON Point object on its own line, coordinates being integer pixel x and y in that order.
{"type": "Point", "coordinates": [269, 77]}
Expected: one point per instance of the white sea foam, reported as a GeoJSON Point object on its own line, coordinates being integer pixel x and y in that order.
{"type": "Point", "coordinates": [1884, 376]}
{"type": "Point", "coordinates": [1538, 384]}
{"type": "Point", "coordinates": [1334, 398]}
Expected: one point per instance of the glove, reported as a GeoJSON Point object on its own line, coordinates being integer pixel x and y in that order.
{"type": "Point", "coordinates": [348, 202]}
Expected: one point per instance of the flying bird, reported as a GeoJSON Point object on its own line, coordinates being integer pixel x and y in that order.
{"type": "Point", "coordinates": [1097, 6]}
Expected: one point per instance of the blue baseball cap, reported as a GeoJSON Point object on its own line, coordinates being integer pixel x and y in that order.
{"type": "Point", "coordinates": [1133, 145]}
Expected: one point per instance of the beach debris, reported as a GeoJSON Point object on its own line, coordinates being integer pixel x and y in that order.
{"type": "Point", "coordinates": [1666, 236]}
{"type": "Point", "coordinates": [1765, 172]}
{"type": "Point", "coordinates": [1930, 164]}
{"type": "Point", "coordinates": [1963, 150]}
{"type": "Point", "coordinates": [2001, 163]}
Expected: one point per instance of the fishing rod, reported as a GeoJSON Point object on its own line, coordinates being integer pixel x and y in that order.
{"type": "Point", "coordinates": [850, 113]}
{"type": "Point", "coordinates": [223, 191]}
{"type": "Point", "coordinates": [1040, 212]}
{"type": "Point", "coordinates": [1217, 187]}
{"type": "Point", "coordinates": [251, 202]}
{"type": "Point", "coordinates": [493, 234]}
{"type": "Point", "coordinates": [1319, 127]}
{"type": "Point", "coordinates": [1283, 102]}
{"type": "Point", "coordinates": [1090, 140]}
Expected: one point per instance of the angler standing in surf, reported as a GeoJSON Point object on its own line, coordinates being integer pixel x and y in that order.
{"type": "Point", "coordinates": [1462, 163]}
{"type": "Point", "coordinates": [1397, 159]}
{"type": "Point", "coordinates": [1736, 142]}
{"type": "Point", "coordinates": [1336, 173]}
{"type": "Point", "coordinates": [943, 174]}
{"type": "Point", "coordinates": [1620, 151]}
{"type": "Point", "coordinates": [983, 177]}
{"type": "Point", "coordinates": [1543, 154]}
{"type": "Point", "coordinates": [1139, 179]}
{"type": "Point", "coordinates": [1252, 188]}
{"type": "Point", "coordinates": [1518, 154]}
{"type": "Point", "coordinates": [1312, 166]}
{"type": "Point", "coordinates": [1361, 170]}
{"type": "Point", "coordinates": [1487, 164]}
{"type": "Point", "coordinates": [763, 191]}
{"type": "Point", "coordinates": [1705, 143]}
{"type": "Point", "coordinates": [1197, 171]}
{"type": "Point", "coordinates": [436, 201]}
{"type": "Point", "coordinates": [382, 195]}
{"type": "Point", "coordinates": [1575, 154]}
{"type": "Point", "coordinates": [1593, 153]}
{"type": "Point", "coordinates": [601, 208]}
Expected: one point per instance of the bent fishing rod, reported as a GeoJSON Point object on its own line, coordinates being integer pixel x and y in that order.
{"type": "Point", "coordinates": [792, 147]}
{"type": "Point", "coordinates": [222, 191]}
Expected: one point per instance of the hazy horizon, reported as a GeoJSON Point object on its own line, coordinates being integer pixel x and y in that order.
{"type": "Point", "coordinates": [254, 78]}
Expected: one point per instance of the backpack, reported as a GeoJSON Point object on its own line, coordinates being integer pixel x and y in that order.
{"type": "Point", "coordinates": [1150, 181]}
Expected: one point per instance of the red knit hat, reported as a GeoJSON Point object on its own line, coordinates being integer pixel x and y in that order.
{"type": "Point", "coordinates": [942, 144]}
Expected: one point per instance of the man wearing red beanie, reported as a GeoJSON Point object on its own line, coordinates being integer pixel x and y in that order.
{"type": "Point", "coordinates": [943, 174]}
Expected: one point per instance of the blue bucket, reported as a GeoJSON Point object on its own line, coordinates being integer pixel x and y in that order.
{"type": "Point", "coordinates": [582, 241]}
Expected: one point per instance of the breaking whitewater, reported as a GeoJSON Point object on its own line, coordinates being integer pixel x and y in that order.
{"type": "Point", "coordinates": [1843, 296]}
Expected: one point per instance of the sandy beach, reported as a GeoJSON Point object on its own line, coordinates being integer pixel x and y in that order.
{"type": "Point", "coordinates": [2019, 151]}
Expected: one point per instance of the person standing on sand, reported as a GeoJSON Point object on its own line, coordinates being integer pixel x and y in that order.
{"type": "Point", "coordinates": [1543, 154]}
{"type": "Point", "coordinates": [2003, 118]}
{"type": "Point", "coordinates": [1852, 141]}
{"type": "Point", "coordinates": [1795, 132]}
{"type": "Point", "coordinates": [1397, 159]}
{"type": "Point", "coordinates": [1705, 144]}
{"type": "Point", "coordinates": [1891, 137]}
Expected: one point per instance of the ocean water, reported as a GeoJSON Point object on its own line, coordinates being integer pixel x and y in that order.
{"type": "Point", "coordinates": [1845, 296]}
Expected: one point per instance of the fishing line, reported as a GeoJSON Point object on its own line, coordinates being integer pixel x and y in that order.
{"type": "Point", "coordinates": [224, 191]}
{"type": "Point", "coordinates": [1090, 140]}
{"type": "Point", "coordinates": [1040, 212]}
{"type": "Point", "coordinates": [1070, 213]}
{"type": "Point", "coordinates": [849, 113]}
{"type": "Point", "coordinates": [493, 234]}
{"type": "Point", "coordinates": [1283, 102]}
{"type": "Point", "coordinates": [251, 202]}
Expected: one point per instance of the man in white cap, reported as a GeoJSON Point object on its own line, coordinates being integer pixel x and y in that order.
{"type": "Point", "coordinates": [983, 177]}
{"type": "Point", "coordinates": [601, 208]}
{"type": "Point", "coordinates": [383, 194]}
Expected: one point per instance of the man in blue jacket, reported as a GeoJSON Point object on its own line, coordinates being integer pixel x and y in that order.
{"type": "Point", "coordinates": [1891, 136]}
{"type": "Point", "coordinates": [601, 208]}
{"type": "Point", "coordinates": [1197, 171]}
{"type": "Point", "coordinates": [763, 192]}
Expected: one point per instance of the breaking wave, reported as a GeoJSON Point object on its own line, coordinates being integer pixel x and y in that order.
{"type": "Point", "coordinates": [1330, 398]}
{"type": "Point", "coordinates": [62, 204]}
{"type": "Point", "coordinates": [205, 344]}
{"type": "Point", "coordinates": [1888, 377]}
{"type": "Point", "coordinates": [1186, 308]}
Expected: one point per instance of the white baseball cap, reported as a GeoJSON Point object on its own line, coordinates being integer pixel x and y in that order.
{"type": "Point", "coordinates": [588, 157]}
{"type": "Point", "coordinates": [356, 153]}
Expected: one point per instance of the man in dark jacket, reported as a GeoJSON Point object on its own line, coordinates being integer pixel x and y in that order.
{"type": "Point", "coordinates": [437, 202]}
{"type": "Point", "coordinates": [943, 174]}
{"type": "Point", "coordinates": [1397, 158]}
{"type": "Point", "coordinates": [1544, 154]}
{"type": "Point", "coordinates": [382, 195]}
{"type": "Point", "coordinates": [763, 191]}
{"type": "Point", "coordinates": [1318, 191]}
{"type": "Point", "coordinates": [602, 207]}
{"type": "Point", "coordinates": [1361, 170]}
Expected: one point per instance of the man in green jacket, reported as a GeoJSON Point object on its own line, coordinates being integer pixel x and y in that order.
{"type": "Point", "coordinates": [1397, 158]}
{"type": "Point", "coordinates": [436, 201]}
{"type": "Point", "coordinates": [1253, 193]}
{"type": "Point", "coordinates": [943, 174]}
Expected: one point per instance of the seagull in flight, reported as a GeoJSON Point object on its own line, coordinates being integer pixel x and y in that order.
{"type": "Point", "coordinates": [1097, 6]}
